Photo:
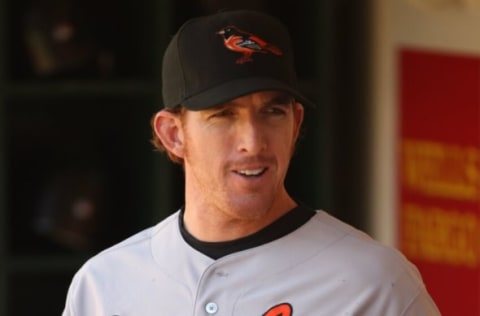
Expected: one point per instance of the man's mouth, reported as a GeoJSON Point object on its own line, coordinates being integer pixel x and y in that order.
{"type": "Point", "coordinates": [251, 172]}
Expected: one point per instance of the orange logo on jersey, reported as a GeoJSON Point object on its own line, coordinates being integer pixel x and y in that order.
{"type": "Point", "coordinates": [245, 43]}
{"type": "Point", "coordinates": [283, 309]}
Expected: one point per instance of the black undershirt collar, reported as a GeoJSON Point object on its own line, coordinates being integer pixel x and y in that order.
{"type": "Point", "coordinates": [281, 227]}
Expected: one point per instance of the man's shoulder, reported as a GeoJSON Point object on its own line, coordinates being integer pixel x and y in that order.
{"type": "Point", "coordinates": [345, 234]}
{"type": "Point", "coordinates": [366, 262]}
{"type": "Point", "coordinates": [357, 249]}
{"type": "Point", "coordinates": [134, 249]}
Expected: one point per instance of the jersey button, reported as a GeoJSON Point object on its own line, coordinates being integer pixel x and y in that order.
{"type": "Point", "coordinates": [211, 308]}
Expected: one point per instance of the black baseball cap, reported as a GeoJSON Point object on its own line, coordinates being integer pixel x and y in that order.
{"type": "Point", "coordinates": [223, 56]}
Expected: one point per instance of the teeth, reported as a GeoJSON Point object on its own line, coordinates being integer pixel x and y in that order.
{"type": "Point", "coordinates": [254, 172]}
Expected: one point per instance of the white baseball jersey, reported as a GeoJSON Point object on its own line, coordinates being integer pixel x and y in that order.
{"type": "Point", "coordinates": [325, 267]}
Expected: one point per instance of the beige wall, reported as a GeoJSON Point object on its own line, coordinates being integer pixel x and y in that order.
{"type": "Point", "coordinates": [442, 25]}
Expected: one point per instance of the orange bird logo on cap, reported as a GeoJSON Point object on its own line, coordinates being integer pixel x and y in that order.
{"type": "Point", "coordinates": [283, 309]}
{"type": "Point", "coordinates": [246, 43]}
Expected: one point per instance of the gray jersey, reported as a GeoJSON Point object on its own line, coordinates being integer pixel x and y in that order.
{"type": "Point", "coordinates": [325, 267]}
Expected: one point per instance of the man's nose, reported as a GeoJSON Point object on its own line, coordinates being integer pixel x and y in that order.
{"type": "Point", "coordinates": [251, 136]}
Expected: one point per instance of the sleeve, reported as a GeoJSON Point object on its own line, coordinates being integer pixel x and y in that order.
{"type": "Point", "coordinates": [69, 309]}
{"type": "Point", "coordinates": [422, 305]}
{"type": "Point", "coordinates": [82, 296]}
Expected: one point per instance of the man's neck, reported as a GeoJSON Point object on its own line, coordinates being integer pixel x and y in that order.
{"type": "Point", "coordinates": [209, 223]}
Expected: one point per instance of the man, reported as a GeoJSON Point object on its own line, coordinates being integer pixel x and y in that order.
{"type": "Point", "coordinates": [241, 245]}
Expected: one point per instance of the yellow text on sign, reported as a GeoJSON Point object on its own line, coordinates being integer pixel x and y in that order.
{"type": "Point", "coordinates": [441, 170]}
{"type": "Point", "coordinates": [438, 235]}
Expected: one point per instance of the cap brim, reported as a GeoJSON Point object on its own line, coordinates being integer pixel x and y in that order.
{"type": "Point", "coordinates": [234, 89]}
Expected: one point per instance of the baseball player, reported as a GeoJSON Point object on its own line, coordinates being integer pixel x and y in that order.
{"type": "Point", "coordinates": [241, 245]}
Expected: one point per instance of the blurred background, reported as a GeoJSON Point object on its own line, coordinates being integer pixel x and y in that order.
{"type": "Point", "coordinates": [392, 148]}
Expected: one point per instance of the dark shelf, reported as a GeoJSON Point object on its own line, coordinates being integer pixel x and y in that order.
{"type": "Point", "coordinates": [46, 263]}
{"type": "Point", "coordinates": [36, 293]}
{"type": "Point", "coordinates": [72, 88]}
{"type": "Point", "coordinates": [74, 164]}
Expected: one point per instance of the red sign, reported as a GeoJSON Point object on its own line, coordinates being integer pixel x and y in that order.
{"type": "Point", "coordinates": [439, 175]}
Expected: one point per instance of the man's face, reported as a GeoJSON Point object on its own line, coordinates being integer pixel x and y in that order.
{"type": "Point", "coordinates": [236, 155]}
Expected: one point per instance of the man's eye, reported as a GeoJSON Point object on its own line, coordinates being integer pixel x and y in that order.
{"type": "Point", "coordinates": [275, 110]}
{"type": "Point", "coordinates": [223, 113]}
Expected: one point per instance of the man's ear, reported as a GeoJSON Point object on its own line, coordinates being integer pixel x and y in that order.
{"type": "Point", "coordinates": [298, 116]}
{"type": "Point", "coordinates": [168, 128]}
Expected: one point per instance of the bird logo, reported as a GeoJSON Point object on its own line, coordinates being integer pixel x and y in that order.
{"type": "Point", "coordinates": [284, 309]}
{"type": "Point", "coordinates": [246, 43]}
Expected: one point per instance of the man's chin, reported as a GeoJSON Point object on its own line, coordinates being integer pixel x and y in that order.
{"type": "Point", "coordinates": [250, 206]}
